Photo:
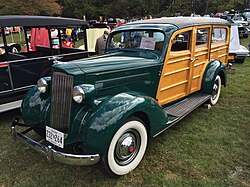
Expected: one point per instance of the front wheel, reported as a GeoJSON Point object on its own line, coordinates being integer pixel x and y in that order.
{"type": "Point", "coordinates": [216, 90]}
{"type": "Point", "coordinates": [127, 148]}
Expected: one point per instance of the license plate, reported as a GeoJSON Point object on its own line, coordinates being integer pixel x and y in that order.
{"type": "Point", "coordinates": [55, 137]}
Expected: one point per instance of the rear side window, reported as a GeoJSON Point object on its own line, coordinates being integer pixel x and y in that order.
{"type": "Point", "coordinates": [202, 37]}
{"type": "Point", "coordinates": [219, 35]}
{"type": "Point", "coordinates": [181, 41]}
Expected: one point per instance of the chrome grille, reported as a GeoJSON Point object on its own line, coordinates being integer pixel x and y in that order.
{"type": "Point", "coordinates": [61, 97]}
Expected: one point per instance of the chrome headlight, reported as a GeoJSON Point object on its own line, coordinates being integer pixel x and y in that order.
{"type": "Point", "coordinates": [42, 85]}
{"type": "Point", "coordinates": [78, 94]}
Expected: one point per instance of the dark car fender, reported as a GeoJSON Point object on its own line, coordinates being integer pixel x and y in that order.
{"type": "Point", "coordinates": [100, 125]}
{"type": "Point", "coordinates": [213, 69]}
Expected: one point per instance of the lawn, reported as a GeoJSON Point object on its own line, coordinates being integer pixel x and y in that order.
{"type": "Point", "coordinates": [210, 147]}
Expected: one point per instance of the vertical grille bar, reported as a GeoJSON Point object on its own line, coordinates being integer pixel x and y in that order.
{"type": "Point", "coordinates": [61, 97]}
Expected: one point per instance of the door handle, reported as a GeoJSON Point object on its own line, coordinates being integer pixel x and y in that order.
{"type": "Point", "coordinates": [194, 59]}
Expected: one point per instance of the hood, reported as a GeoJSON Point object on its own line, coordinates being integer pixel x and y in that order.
{"type": "Point", "coordinates": [106, 63]}
{"type": "Point", "coordinates": [114, 69]}
{"type": "Point", "coordinates": [113, 73]}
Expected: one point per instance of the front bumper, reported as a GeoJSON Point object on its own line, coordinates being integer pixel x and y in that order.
{"type": "Point", "coordinates": [51, 154]}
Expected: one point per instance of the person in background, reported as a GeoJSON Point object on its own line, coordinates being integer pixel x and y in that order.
{"type": "Point", "coordinates": [68, 33]}
{"type": "Point", "coordinates": [101, 42]}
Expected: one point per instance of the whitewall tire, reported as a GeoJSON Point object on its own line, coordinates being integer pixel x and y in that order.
{"type": "Point", "coordinates": [216, 90]}
{"type": "Point", "coordinates": [126, 148]}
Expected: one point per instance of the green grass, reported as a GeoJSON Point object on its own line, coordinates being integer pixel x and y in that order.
{"type": "Point", "coordinates": [207, 148]}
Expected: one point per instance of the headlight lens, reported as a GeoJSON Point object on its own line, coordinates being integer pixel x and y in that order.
{"type": "Point", "coordinates": [78, 94]}
{"type": "Point", "coordinates": [42, 85]}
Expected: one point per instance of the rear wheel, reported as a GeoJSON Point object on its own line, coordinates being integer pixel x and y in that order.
{"type": "Point", "coordinates": [126, 148]}
{"type": "Point", "coordinates": [216, 90]}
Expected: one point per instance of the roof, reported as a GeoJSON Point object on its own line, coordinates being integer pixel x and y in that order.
{"type": "Point", "coordinates": [182, 22]}
{"type": "Point", "coordinates": [39, 21]}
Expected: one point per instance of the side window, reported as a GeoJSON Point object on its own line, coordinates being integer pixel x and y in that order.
{"type": "Point", "coordinates": [202, 37]}
{"type": "Point", "coordinates": [219, 35]}
{"type": "Point", "coordinates": [15, 40]}
{"type": "Point", "coordinates": [159, 37]}
{"type": "Point", "coordinates": [181, 41]}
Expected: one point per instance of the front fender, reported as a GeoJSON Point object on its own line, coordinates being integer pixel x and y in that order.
{"type": "Point", "coordinates": [33, 106]}
{"type": "Point", "coordinates": [213, 69]}
{"type": "Point", "coordinates": [102, 123]}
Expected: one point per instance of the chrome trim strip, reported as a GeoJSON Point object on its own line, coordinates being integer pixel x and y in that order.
{"type": "Point", "coordinates": [10, 106]}
{"type": "Point", "coordinates": [46, 57]}
{"type": "Point", "coordinates": [16, 89]}
{"type": "Point", "coordinates": [51, 154]}
{"type": "Point", "coordinates": [24, 87]}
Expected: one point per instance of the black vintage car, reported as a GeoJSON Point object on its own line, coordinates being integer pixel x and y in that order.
{"type": "Point", "coordinates": [20, 69]}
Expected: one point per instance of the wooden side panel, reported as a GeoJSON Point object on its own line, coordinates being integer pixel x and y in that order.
{"type": "Point", "coordinates": [198, 66]}
{"type": "Point", "coordinates": [220, 52]}
{"type": "Point", "coordinates": [174, 82]}
{"type": "Point", "coordinates": [186, 62]}
{"type": "Point", "coordinates": [201, 56]}
{"type": "Point", "coordinates": [174, 79]}
{"type": "Point", "coordinates": [220, 49]}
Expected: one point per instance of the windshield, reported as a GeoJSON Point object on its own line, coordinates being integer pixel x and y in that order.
{"type": "Point", "coordinates": [137, 39]}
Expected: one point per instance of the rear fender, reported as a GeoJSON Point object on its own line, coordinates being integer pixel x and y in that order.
{"type": "Point", "coordinates": [213, 69]}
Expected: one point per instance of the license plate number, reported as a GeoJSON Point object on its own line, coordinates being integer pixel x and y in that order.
{"type": "Point", "coordinates": [55, 137]}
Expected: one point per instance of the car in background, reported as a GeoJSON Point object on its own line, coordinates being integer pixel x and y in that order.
{"type": "Point", "coordinates": [237, 52]}
{"type": "Point", "coordinates": [22, 66]}
{"type": "Point", "coordinates": [243, 31]}
{"type": "Point", "coordinates": [12, 47]}
{"type": "Point", "coordinates": [239, 20]}
{"type": "Point", "coordinates": [246, 15]}
{"type": "Point", "coordinates": [240, 23]}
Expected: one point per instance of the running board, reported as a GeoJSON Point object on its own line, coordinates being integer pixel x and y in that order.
{"type": "Point", "coordinates": [184, 107]}
{"type": "Point", "coordinates": [179, 110]}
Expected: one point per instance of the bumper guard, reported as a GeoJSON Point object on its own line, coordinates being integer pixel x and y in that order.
{"type": "Point", "coordinates": [49, 153]}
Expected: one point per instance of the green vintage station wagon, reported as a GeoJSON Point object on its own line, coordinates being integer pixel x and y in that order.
{"type": "Point", "coordinates": [106, 108]}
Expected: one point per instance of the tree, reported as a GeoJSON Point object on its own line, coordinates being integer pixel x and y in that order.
{"type": "Point", "coordinates": [92, 9]}
{"type": "Point", "coordinates": [30, 7]}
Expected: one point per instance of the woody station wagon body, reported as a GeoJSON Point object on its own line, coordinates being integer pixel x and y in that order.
{"type": "Point", "coordinates": [153, 74]}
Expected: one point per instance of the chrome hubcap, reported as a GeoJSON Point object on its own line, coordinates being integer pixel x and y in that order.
{"type": "Point", "coordinates": [127, 147]}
